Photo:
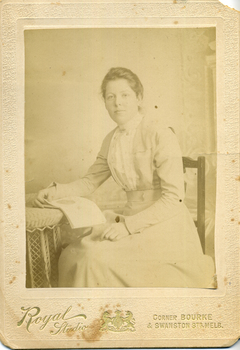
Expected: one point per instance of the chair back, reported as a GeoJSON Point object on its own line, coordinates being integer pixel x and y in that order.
{"type": "Point", "coordinates": [199, 164]}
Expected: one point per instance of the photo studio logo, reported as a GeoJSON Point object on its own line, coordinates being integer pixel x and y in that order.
{"type": "Point", "coordinates": [61, 322]}
{"type": "Point", "coordinates": [118, 323]}
{"type": "Point", "coordinates": [68, 322]}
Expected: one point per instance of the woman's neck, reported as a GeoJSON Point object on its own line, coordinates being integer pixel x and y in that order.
{"type": "Point", "coordinates": [132, 123]}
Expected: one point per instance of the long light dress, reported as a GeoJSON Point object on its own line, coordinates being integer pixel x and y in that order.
{"type": "Point", "coordinates": [163, 249]}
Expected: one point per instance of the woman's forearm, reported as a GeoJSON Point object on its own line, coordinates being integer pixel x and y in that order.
{"type": "Point", "coordinates": [165, 208]}
{"type": "Point", "coordinates": [82, 187]}
{"type": "Point", "coordinates": [96, 175]}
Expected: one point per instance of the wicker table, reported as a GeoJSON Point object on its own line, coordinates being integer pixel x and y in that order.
{"type": "Point", "coordinates": [43, 246]}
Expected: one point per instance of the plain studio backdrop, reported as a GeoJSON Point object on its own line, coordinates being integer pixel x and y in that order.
{"type": "Point", "coordinates": [65, 116]}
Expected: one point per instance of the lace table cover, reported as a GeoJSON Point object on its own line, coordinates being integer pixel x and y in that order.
{"type": "Point", "coordinates": [43, 246]}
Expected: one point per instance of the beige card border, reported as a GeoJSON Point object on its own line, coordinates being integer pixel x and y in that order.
{"type": "Point", "coordinates": [223, 303]}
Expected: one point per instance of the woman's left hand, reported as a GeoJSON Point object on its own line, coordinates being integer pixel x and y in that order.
{"type": "Point", "coordinates": [114, 232]}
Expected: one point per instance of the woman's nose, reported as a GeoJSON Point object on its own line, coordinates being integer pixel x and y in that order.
{"type": "Point", "coordinates": [118, 101]}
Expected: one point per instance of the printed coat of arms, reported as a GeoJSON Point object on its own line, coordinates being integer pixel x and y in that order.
{"type": "Point", "coordinates": [118, 323]}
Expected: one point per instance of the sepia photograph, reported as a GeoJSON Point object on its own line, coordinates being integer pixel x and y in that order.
{"type": "Point", "coordinates": [120, 157]}
{"type": "Point", "coordinates": [120, 174]}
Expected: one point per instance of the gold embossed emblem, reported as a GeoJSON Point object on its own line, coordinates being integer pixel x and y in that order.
{"type": "Point", "coordinates": [118, 323]}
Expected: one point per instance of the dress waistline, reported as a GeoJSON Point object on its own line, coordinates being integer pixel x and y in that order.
{"type": "Point", "coordinates": [145, 195]}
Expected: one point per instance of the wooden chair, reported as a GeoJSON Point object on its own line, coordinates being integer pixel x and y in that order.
{"type": "Point", "coordinates": [199, 164]}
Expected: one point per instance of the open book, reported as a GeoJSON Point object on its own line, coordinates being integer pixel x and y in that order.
{"type": "Point", "coordinates": [80, 212]}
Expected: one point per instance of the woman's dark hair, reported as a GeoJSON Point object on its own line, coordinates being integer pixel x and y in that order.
{"type": "Point", "coordinates": [123, 73]}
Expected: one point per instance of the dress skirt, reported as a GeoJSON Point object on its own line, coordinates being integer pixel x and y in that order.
{"type": "Point", "coordinates": [168, 254]}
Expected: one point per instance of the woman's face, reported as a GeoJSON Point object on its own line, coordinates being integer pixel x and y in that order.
{"type": "Point", "coordinates": [121, 101]}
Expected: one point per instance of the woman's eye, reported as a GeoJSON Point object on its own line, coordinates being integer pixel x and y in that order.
{"type": "Point", "coordinates": [110, 97]}
{"type": "Point", "coordinates": [125, 95]}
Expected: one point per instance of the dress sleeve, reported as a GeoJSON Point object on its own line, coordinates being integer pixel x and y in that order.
{"type": "Point", "coordinates": [169, 167]}
{"type": "Point", "coordinates": [96, 175]}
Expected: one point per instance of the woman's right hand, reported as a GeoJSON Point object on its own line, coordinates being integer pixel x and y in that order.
{"type": "Point", "coordinates": [48, 194]}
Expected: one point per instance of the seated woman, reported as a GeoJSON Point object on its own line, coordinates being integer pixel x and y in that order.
{"type": "Point", "coordinates": [155, 242]}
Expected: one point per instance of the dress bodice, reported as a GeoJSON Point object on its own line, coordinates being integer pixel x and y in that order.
{"type": "Point", "coordinates": [121, 157]}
